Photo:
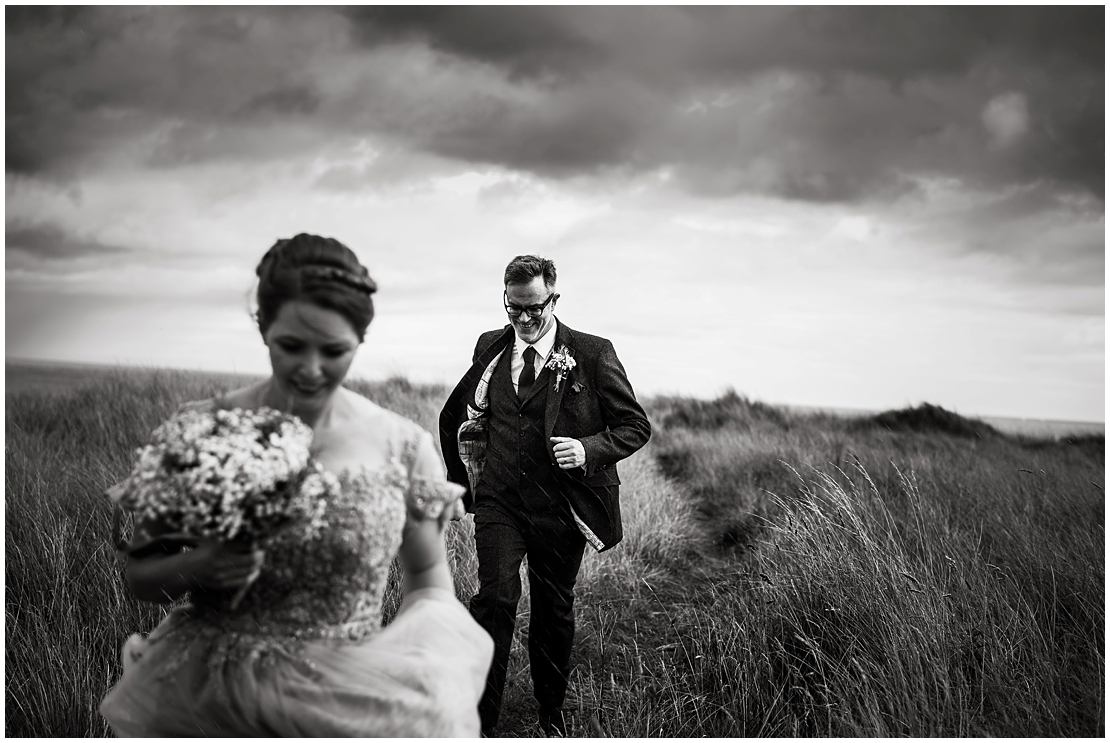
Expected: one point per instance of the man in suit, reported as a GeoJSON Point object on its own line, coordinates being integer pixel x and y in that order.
{"type": "Point", "coordinates": [534, 431]}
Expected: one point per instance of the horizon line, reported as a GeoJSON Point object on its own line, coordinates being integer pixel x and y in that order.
{"type": "Point", "coordinates": [803, 408]}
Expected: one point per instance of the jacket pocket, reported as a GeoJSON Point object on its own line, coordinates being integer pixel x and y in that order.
{"type": "Point", "coordinates": [604, 477]}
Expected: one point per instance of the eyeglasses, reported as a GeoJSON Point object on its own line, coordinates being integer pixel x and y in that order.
{"type": "Point", "coordinates": [533, 311]}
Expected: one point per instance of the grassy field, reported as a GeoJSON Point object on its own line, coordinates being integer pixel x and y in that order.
{"type": "Point", "coordinates": [909, 574]}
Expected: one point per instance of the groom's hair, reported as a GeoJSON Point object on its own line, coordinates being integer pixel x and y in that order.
{"type": "Point", "coordinates": [524, 268]}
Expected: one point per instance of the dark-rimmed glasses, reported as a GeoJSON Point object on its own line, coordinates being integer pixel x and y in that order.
{"type": "Point", "coordinates": [534, 310]}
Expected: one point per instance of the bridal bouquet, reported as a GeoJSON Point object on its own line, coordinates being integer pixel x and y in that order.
{"type": "Point", "coordinates": [230, 475]}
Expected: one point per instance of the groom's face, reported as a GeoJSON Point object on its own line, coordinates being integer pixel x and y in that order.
{"type": "Point", "coordinates": [533, 294]}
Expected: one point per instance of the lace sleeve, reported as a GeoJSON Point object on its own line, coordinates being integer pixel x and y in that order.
{"type": "Point", "coordinates": [429, 493]}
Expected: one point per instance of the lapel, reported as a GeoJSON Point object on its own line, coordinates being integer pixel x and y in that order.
{"type": "Point", "coordinates": [563, 337]}
{"type": "Point", "coordinates": [479, 366]}
{"type": "Point", "coordinates": [502, 378]}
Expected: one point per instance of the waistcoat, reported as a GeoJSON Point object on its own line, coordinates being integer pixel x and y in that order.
{"type": "Point", "coordinates": [518, 471]}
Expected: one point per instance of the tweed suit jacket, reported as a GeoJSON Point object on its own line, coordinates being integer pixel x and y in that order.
{"type": "Point", "coordinates": [594, 403]}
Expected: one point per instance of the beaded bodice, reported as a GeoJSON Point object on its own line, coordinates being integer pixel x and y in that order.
{"type": "Point", "coordinates": [331, 584]}
{"type": "Point", "coordinates": [313, 584]}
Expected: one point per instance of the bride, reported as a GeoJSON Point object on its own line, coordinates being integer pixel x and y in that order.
{"type": "Point", "coordinates": [304, 652]}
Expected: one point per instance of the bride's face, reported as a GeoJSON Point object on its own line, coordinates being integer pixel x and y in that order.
{"type": "Point", "coordinates": [311, 349]}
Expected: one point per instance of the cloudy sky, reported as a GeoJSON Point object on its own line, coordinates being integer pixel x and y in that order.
{"type": "Point", "coordinates": [847, 207]}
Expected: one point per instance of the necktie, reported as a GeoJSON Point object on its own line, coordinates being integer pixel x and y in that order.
{"type": "Point", "coordinates": [527, 374]}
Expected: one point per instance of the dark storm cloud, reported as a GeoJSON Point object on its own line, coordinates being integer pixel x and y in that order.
{"type": "Point", "coordinates": [51, 242]}
{"type": "Point", "coordinates": [896, 42]}
{"type": "Point", "coordinates": [528, 40]}
{"type": "Point", "coordinates": [566, 134]}
{"type": "Point", "coordinates": [847, 150]}
{"type": "Point", "coordinates": [83, 84]}
{"type": "Point", "coordinates": [302, 99]}
{"type": "Point", "coordinates": [819, 103]}
{"type": "Point", "coordinates": [830, 146]}
{"type": "Point", "coordinates": [892, 42]}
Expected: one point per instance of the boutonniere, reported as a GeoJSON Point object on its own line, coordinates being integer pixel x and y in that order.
{"type": "Point", "coordinates": [561, 362]}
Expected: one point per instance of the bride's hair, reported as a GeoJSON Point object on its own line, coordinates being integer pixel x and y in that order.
{"type": "Point", "coordinates": [317, 269]}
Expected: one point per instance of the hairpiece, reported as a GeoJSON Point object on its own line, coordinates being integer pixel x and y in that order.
{"type": "Point", "coordinates": [339, 275]}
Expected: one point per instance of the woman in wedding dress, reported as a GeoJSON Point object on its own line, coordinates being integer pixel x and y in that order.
{"type": "Point", "coordinates": [304, 652]}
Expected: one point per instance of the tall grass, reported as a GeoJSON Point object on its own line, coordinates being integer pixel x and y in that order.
{"type": "Point", "coordinates": [780, 574]}
{"type": "Point", "coordinates": [893, 583]}
{"type": "Point", "coordinates": [67, 611]}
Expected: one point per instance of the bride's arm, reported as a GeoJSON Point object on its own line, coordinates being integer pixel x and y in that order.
{"type": "Point", "coordinates": [424, 556]}
{"type": "Point", "coordinates": [430, 501]}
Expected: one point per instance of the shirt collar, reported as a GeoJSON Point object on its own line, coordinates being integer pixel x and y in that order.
{"type": "Point", "coordinates": [543, 346]}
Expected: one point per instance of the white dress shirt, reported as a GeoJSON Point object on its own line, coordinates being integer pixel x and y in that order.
{"type": "Point", "coordinates": [543, 349]}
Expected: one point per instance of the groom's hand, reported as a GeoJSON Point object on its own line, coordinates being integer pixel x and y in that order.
{"type": "Point", "coordinates": [569, 453]}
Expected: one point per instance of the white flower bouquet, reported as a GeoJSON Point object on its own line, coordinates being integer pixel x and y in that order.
{"type": "Point", "coordinates": [230, 475]}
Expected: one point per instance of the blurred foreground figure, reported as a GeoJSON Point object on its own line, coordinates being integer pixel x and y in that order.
{"type": "Point", "coordinates": [284, 636]}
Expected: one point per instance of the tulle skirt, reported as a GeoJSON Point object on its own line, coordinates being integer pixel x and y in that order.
{"type": "Point", "coordinates": [421, 676]}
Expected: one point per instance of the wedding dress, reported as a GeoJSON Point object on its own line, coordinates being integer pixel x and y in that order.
{"type": "Point", "coordinates": [305, 654]}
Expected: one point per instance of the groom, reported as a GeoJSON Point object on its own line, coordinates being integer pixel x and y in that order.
{"type": "Point", "coordinates": [534, 431]}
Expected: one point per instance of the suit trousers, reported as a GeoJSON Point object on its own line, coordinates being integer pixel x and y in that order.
{"type": "Point", "coordinates": [503, 536]}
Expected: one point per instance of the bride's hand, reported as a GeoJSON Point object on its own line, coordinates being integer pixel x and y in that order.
{"type": "Point", "coordinates": [455, 511]}
{"type": "Point", "coordinates": [223, 565]}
